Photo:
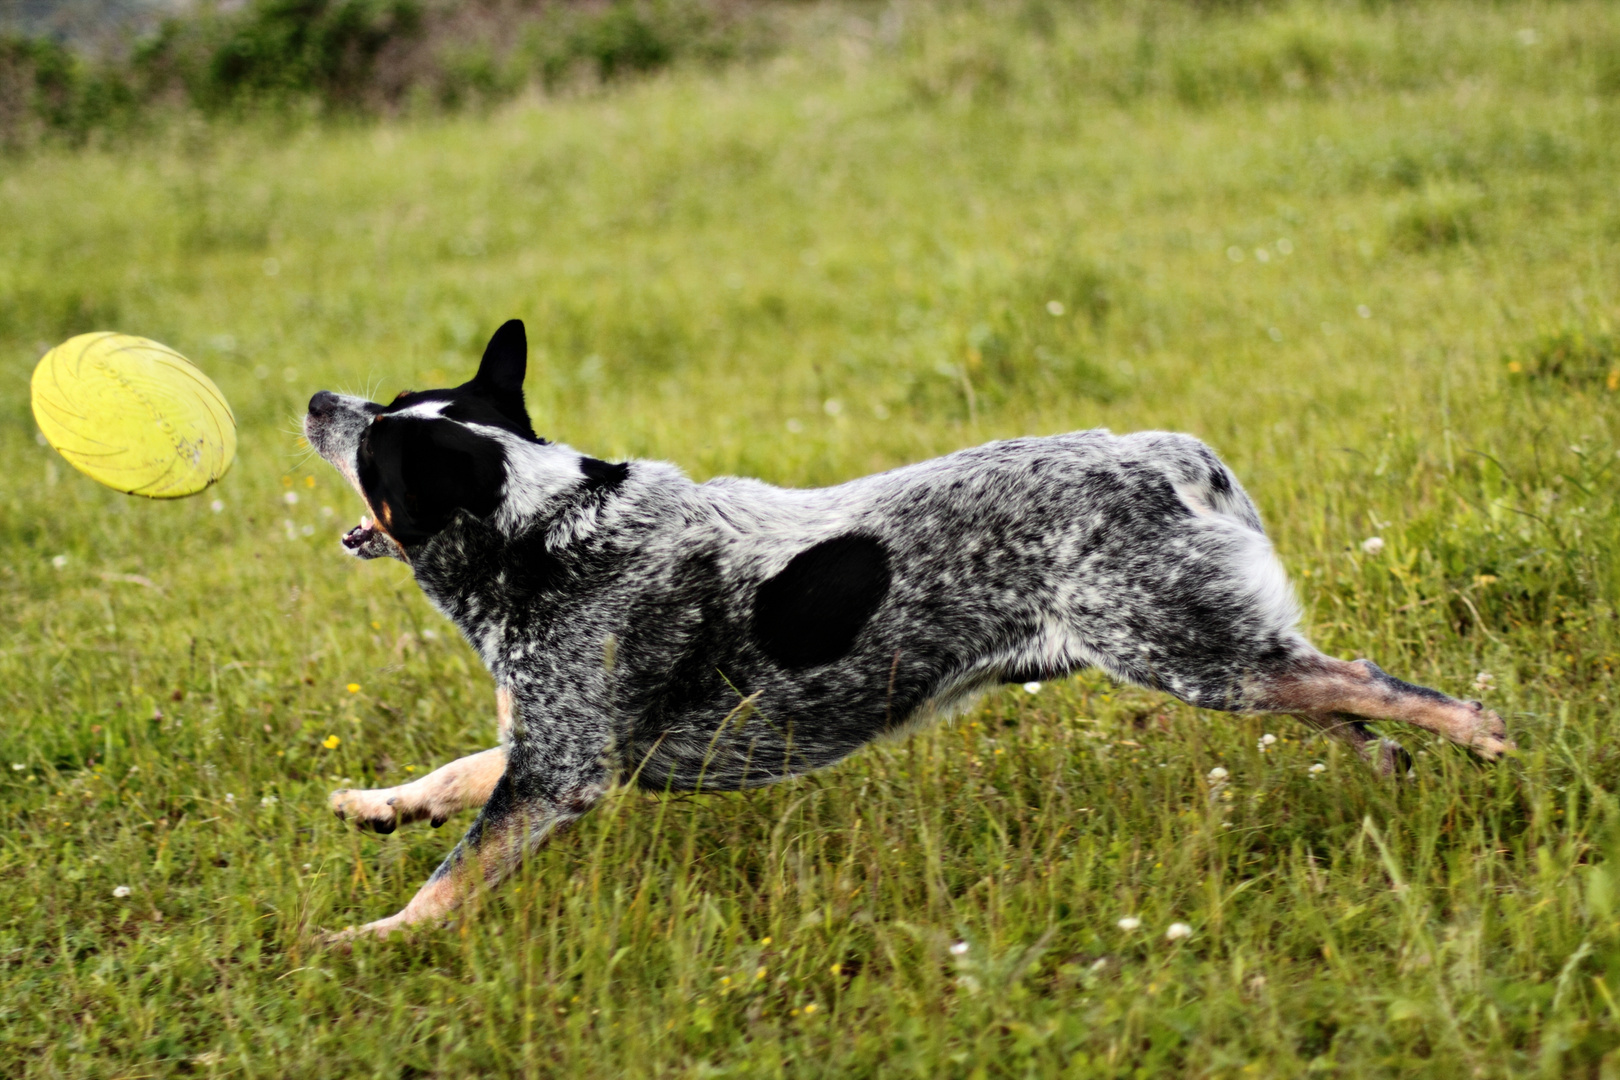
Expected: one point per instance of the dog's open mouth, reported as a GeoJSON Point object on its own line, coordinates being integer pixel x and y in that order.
{"type": "Point", "coordinates": [366, 541]}
{"type": "Point", "coordinates": [361, 535]}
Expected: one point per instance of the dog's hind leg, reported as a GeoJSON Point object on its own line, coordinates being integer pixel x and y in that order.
{"type": "Point", "coordinates": [1337, 694]}
{"type": "Point", "coordinates": [1385, 754]}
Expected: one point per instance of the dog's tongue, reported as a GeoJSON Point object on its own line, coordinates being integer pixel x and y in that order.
{"type": "Point", "coordinates": [359, 534]}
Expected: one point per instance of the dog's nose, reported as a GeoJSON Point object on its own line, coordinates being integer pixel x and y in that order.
{"type": "Point", "coordinates": [324, 403]}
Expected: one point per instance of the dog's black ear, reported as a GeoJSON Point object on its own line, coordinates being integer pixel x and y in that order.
{"type": "Point", "coordinates": [500, 374]}
{"type": "Point", "coordinates": [418, 473]}
{"type": "Point", "coordinates": [506, 360]}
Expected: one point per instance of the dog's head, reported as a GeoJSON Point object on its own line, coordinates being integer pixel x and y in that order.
{"type": "Point", "coordinates": [429, 455]}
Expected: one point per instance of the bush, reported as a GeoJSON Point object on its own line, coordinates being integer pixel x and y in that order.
{"type": "Point", "coordinates": [326, 49]}
{"type": "Point", "coordinates": [46, 89]}
{"type": "Point", "coordinates": [356, 56]}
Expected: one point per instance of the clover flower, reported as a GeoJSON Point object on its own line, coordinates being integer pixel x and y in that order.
{"type": "Point", "coordinates": [1178, 931]}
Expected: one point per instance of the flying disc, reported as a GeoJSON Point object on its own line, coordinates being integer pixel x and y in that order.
{"type": "Point", "coordinates": [134, 415]}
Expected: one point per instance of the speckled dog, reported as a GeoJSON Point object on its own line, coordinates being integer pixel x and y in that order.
{"type": "Point", "coordinates": [684, 636]}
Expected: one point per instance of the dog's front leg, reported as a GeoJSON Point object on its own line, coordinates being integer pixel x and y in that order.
{"type": "Point", "coordinates": [508, 828]}
{"type": "Point", "coordinates": [461, 785]}
{"type": "Point", "coordinates": [556, 769]}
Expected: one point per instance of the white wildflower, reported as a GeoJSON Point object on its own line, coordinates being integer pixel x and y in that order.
{"type": "Point", "coordinates": [1267, 741]}
{"type": "Point", "coordinates": [1317, 768]}
{"type": "Point", "coordinates": [121, 892]}
{"type": "Point", "coordinates": [17, 766]}
{"type": "Point", "coordinates": [230, 799]}
{"type": "Point", "coordinates": [1178, 931]}
{"type": "Point", "coordinates": [1218, 775]}
{"type": "Point", "coordinates": [959, 949]}
{"type": "Point", "coordinates": [59, 561]}
{"type": "Point", "coordinates": [1129, 923]}
{"type": "Point", "coordinates": [290, 498]}
{"type": "Point", "coordinates": [268, 800]}
{"type": "Point", "coordinates": [1484, 681]}
{"type": "Point", "coordinates": [217, 506]}
{"type": "Point", "coordinates": [1372, 545]}
{"type": "Point", "coordinates": [1032, 688]}
{"type": "Point", "coordinates": [1054, 307]}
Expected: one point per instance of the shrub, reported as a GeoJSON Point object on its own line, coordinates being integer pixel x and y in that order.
{"type": "Point", "coordinates": [357, 56]}
{"type": "Point", "coordinates": [46, 89]}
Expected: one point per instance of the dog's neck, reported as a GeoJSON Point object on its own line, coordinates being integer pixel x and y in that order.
{"type": "Point", "coordinates": [486, 575]}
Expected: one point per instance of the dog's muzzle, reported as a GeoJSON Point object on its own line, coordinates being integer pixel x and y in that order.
{"type": "Point", "coordinates": [334, 425]}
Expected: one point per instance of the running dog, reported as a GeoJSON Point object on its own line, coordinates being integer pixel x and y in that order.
{"type": "Point", "coordinates": [642, 628]}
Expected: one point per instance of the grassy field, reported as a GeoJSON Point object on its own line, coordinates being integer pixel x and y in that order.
{"type": "Point", "coordinates": [1369, 253]}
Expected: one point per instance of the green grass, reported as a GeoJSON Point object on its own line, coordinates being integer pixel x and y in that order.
{"type": "Point", "coordinates": [1368, 253]}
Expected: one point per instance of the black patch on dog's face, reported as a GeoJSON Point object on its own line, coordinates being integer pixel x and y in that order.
{"type": "Point", "coordinates": [811, 612]}
{"type": "Point", "coordinates": [418, 472]}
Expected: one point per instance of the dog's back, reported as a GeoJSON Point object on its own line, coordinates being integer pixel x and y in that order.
{"type": "Point", "coordinates": [788, 628]}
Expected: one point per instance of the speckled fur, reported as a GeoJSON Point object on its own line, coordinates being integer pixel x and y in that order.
{"type": "Point", "coordinates": [617, 605]}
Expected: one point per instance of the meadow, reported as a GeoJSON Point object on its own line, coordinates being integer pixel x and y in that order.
{"type": "Point", "coordinates": [1368, 252]}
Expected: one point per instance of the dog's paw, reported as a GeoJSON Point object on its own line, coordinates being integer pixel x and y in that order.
{"type": "Point", "coordinates": [1489, 737]}
{"type": "Point", "coordinates": [375, 809]}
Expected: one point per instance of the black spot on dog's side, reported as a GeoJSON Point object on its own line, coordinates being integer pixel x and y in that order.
{"type": "Point", "coordinates": [603, 475]}
{"type": "Point", "coordinates": [811, 612]}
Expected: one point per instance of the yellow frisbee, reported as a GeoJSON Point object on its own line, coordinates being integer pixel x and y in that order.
{"type": "Point", "coordinates": [134, 415]}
